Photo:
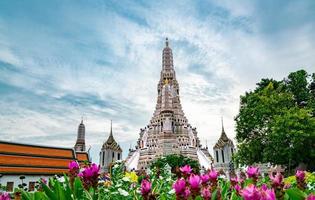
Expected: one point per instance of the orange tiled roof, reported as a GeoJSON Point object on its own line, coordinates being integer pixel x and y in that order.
{"type": "Point", "coordinates": [35, 159]}
{"type": "Point", "coordinates": [24, 149]}
{"type": "Point", "coordinates": [82, 156]}
{"type": "Point", "coordinates": [31, 170]}
{"type": "Point", "coordinates": [15, 160]}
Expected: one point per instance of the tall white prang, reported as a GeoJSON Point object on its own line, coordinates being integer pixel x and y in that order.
{"type": "Point", "coordinates": [168, 131]}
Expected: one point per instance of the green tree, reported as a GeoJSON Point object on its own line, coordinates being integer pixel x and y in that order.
{"type": "Point", "coordinates": [297, 85]}
{"type": "Point", "coordinates": [272, 126]}
{"type": "Point", "coordinates": [175, 161]}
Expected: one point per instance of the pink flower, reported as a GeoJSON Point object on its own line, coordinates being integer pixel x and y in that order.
{"type": "Point", "coordinates": [300, 175]}
{"type": "Point", "coordinates": [311, 197]}
{"type": "Point", "coordinates": [90, 176]}
{"type": "Point", "coordinates": [43, 180]}
{"type": "Point", "coordinates": [238, 188]}
{"type": "Point", "coordinates": [205, 178]}
{"type": "Point", "coordinates": [213, 174]}
{"type": "Point", "coordinates": [205, 193]}
{"type": "Point", "coordinates": [234, 180]}
{"type": "Point", "coordinates": [194, 181]}
{"type": "Point", "coordinates": [185, 169]}
{"type": "Point", "coordinates": [250, 193]}
{"type": "Point", "coordinates": [252, 172]}
{"type": "Point", "coordinates": [73, 165]}
{"type": "Point", "coordinates": [268, 194]}
{"type": "Point", "coordinates": [264, 187]}
{"type": "Point", "coordinates": [276, 180]}
{"type": "Point", "coordinates": [145, 187]}
{"type": "Point", "coordinates": [179, 186]}
{"type": "Point", "coordinates": [186, 193]}
{"type": "Point", "coordinates": [5, 196]}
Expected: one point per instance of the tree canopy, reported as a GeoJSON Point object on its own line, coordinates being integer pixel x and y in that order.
{"type": "Point", "coordinates": [175, 161]}
{"type": "Point", "coordinates": [276, 122]}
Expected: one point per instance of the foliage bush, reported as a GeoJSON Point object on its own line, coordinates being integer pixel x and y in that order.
{"type": "Point", "coordinates": [78, 184]}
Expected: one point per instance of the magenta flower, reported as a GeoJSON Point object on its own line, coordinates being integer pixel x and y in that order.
{"type": "Point", "coordinates": [268, 194]}
{"type": "Point", "coordinates": [252, 172]}
{"type": "Point", "coordinates": [5, 196]}
{"type": "Point", "coordinates": [145, 187]}
{"type": "Point", "coordinates": [300, 175]}
{"type": "Point", "coordinates": [194, 181]}
{"type": "Point", "coordinates": [238, 188]}
{"type": "Point", "coordinates": [264, 187]}
{"type": "Point", "coordinates": [311, 197]}
{"type": "Point", "coordinates": [185, 169]}
{"type": "Point", "coordinates": [213, 174]}
{"type": "Point", "coordinates": [234, 180]}
{"type": "Point", "coordinates": [205, 178]}
{"type": "Point", "coordinates": [179, 186]}
{"type": "Point", "coordinates": [276, 180]}
{"type": "Point", "coordinates": [90, 176]}
{"type": "Point", "coordinates": [205, 193]}
{"type": "Point", "coordinates": [186, 193]}
{"type": "Point", "coordinates": [43, 180]}
{"type": "Point", "coordinates": [250, 193]}
{"type": "Point", "coordinates": [73, 165]}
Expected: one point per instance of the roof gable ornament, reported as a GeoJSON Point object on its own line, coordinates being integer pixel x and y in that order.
{"type": "Point", "coordinates": [223, 140]}
{"type": "Point", "coordinates": [110, 142]}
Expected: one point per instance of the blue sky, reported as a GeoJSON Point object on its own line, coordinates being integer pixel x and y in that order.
{"type": "Point", "coordinates": [60, 60]}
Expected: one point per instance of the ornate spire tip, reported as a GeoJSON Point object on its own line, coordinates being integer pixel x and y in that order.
{"type": "Point", "coordinates": [166, 42]}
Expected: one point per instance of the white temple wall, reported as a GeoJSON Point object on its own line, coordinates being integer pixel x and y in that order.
{"type": "Point", "coordinates": [16, 179]}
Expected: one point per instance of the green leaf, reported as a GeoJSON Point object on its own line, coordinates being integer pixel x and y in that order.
{"type": "Point", "coordinates": [50, 194]}
{"type": "Point", "coordinates": [214, 195]}
{"type": "Point", "coordinates": [295, 194]}
{"type": "Point", "coordinates": [78, 189]}
{"type": "Point", "coordinates": [198, 198]}
{"type": "Point", "coordinates": [26, 195]}
{"type": "Point", "coordinates": [40, 196]}
{"type": "Point", "coordinates": [60, 191]}
{"type": "Point", "coordinates": [68, 191]}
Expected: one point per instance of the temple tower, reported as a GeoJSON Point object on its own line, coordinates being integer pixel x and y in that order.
{"type": "Point", "coordinates": [80, 143]}
{"type": "Point", "coordinates": [223, 151]}
{"type": "Point", "coordinates": [168, 131]}
{"type": "Point", "coordinates": [110, 152]}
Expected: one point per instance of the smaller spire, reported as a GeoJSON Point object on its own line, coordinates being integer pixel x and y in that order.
{"type": "Point", "coordinates": [166, 42]}
{"type": "Point", "coordinates": [81, 119]}
{"type": "Point", "coordinates": [222, 124]}
{"type": "Point", "coordinates": [111, 127]}
{"type": "Point", "coordinates": [223, 134]}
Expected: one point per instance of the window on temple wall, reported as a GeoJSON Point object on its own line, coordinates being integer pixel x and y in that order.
{"type": "Point", "coordinates": [31, 186]}
{"type": "Point", "coordinates": [118, 156]}
{"type": "Point", "coordinates": [10, 186]}
{"type": "Point", "coordinates": [222, 152]}
{"type": "Point", "coordinates": [217, 155]}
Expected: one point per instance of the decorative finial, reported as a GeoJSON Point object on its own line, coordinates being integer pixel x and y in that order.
{"type": "Point", "coordinates": [111, 127]}
{"type": "Point", "coordinates": [166, 41]}
{"type": "Point", "coordinates": [222, 124]}
{"type": "Point", "coordinates": [81, 119]}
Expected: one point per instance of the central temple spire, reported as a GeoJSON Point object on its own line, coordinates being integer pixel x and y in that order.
{"type": "Point", "coordinates": [167, 57]}
{"type": "Point", "coordinates": [168, 131]}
